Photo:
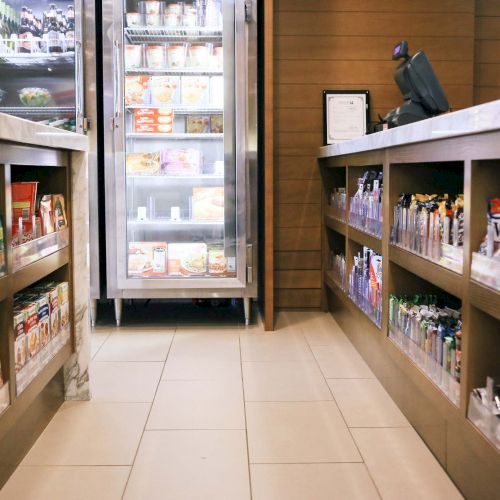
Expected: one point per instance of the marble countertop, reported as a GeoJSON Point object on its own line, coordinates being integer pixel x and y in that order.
{"type": "Point", "coordinates": [26, 132]}
{"type": "Point", "coordinates": [482, 118]}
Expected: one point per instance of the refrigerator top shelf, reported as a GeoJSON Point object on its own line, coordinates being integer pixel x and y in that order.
{"type": "Point", "coordinates": [181, 110]}
{"type": "Point", "coordinates": [39, 112]}
{"type": "Point", "coordinates": [176, 178]}
{"type": "Point", "coordinates": [161, 223]}
{"type": "Point", "coordinates": [37, 60]}
{"type": "Point", "coordinates": [173, 71]}
{"type": "Point", "coordinates": [155, 34]}
{"type": "Point", "coordinates": [177, 137]}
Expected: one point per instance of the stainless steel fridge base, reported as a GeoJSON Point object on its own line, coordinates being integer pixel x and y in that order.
{"type": "Point", "coordinates": [93, 312]}
{"type": "Point", "coordinates": [118, 311]}
{"type": "Point", "coordinates": [247, 307]}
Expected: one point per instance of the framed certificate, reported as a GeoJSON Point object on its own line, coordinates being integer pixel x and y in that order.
{"type": "Point", "coordinates": [345, 115]}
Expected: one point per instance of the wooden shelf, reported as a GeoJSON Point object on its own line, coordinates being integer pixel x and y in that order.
{"type": "Point", "coordinates": [4, 287]}
{"type": "Point", "coordinates": [22, 403]}
{"type": "Point", "coordinates": [365, 239]}
{"type": "Point", "coordinates": [335, 224]}
{"type": "Point", "coordinates": [439, 276]}
{"type": "Point", "coordinates": [485, 298]}
{"type": "Point", "coordinates": [32, 273]}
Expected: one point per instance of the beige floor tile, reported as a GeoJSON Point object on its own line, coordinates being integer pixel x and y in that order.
{"type": "Point", "coordinates": [310, 432]}
{"type": "Point", "coordinates": [190, 465]}
{"type": "Point", "coordinates": [365, 403]}
{"type": "Point", "coordinates": [124, 382]}
{"type": "Point", "coordinates": [179, 368]}
{"type": "Point", "coordinates": [402, 466]}
{"type": "Point", "coordinates": [284, 381]}
{"type": "Point", "coordinates": [97, 339]}
{"type": "Point", "coordinates": [91, 433]}
{"type": "Point", "coordinates": [141, 346]}
{"type": "Point", "coordinates": [312, 482]}
{"type": "Point", "coordinates": [194, 347]}
{"type": "Point", "coordinates": [288, 320]}
{"type": "Point", "coordinates": [198, 404]}
{"type": "Point", "coordinates": [341, 361]}
{"type": "Point", "coordinates": [66, 483]}
{"type": "Point", "coordinates": [321, 329]}
{"type": "Point", "coordinates": [283, 345]}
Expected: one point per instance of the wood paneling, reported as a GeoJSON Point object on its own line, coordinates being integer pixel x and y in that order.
{"type": "Point", "coordinates": [297, 279]}
{"type": "Point", "coordinates": [346, 44]}
{"type": "Point", "coordinates": [486, 51]}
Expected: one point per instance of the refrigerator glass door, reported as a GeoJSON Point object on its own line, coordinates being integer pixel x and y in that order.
{"type": "Point", "coordinates": [40, 61]}
{"type": "Point", "coordinates": [175, 154]}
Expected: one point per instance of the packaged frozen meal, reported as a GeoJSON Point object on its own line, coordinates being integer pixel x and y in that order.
{"type": "Point", "coordinates": [147, 259]}
{"type": "Point", "coordinates": [208, 203]}
{"type": "Point", "coordinates": [176, 55]}
{"type": "Point", "coordinates": [136, 90]}
{"type": "Point", "coordinates": [196, 124]}
{"type": "Point", "coordinates": [199, 55]}
{"type": "Point", "coordinates": [153, 116]}
{"type": "Point", "coordinates": [217, 124]}
{"type": "Point", "coordinates": [195, 90]}
{"type": "Point", "coordinates": [187, 259]}
{"type": "Point", "coordinates": [164, 90]}
{"type": "Point", "coordinates": [133, 56]}
{"type": "Point", "coordinates": [217, 261]}
{"type": "Point", "coordinates": [20, 346]}
{"type": "Point", "coordinates": [155, 56]}
{"type": "Point", "coordinates": [177, 161]}
{"type": "Point", "coordinates": [143, 164]}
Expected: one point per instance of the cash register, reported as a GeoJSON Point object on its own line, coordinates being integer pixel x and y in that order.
{"type": "Point", "coordinates": [423, 95]}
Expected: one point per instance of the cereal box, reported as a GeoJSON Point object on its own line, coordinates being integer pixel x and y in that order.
{"type": "Point", "coordinates": [63, 296]}
{"type": "Point", "coordinates": [31, 330]}
{"type": "Point", "coordinates": [20, 346]}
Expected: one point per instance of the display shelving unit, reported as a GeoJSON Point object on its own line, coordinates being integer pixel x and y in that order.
{"type": "Point", "coordinates": [46, 258]}
{"type": "Point", "coordinates": [468, 164]}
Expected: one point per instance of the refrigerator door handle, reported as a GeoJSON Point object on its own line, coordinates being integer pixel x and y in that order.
{"type": "Point", "coordinates": [79, 86]}
{"type": "Point", "coordinates": [117, 83]}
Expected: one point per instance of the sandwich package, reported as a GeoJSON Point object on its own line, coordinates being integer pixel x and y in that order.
{"type": "Point", "coordinates": [147, 259]}
{"type": "Point", "coordinates": [187, 259]}
{"type": "Point", "coordinates": [208, 203]}
{"type": "Point", "coordinates": [177, 161]}
{"type": "Point", "coordinates": [143, 164]}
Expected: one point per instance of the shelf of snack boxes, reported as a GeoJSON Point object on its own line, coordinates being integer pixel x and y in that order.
{"type": "Point", "coordinates": [174, 71]}
{"type": "Point", "coordinates": [159, 34]}
{"type": "Point", "coordinates": [481, 414]}
{"type": "Point", "coordinates": [441, 378]}
{"type": "Point", "coordinates": [177, 137]}
{"type": "Point", "coordinates": [48, 111]}
{"type": "Point", "coordinates": [181, 110]}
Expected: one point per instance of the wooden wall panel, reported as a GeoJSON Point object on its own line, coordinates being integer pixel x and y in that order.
{"type": "Point", "coordinates": [487, 51]}
{"type": "Point", "coordinates": [345, 44]}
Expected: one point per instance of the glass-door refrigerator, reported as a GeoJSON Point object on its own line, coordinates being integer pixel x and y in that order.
{"type": "Point", "coordinates": [180, 149]}
{"type": "Point", "coordinates": [41, 72]}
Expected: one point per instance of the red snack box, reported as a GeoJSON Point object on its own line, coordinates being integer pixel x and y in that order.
{"type": "Point", "coordinates": [23, 200]}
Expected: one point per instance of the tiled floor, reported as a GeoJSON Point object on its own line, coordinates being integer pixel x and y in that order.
{"type": "Point", "coordinates": [190, 412]}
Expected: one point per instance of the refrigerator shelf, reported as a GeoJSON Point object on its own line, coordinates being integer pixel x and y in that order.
{"type": "Point", "coordinates": [37, 60]}
{"type": "Point", "coordinates": [173, 71]}
{"type": "Point", "coordinates": [39, 112]}
{"type": "Point", "coordinates": [158, 34]}
{"type": "Point", "coordinates": [177, 137]}
{"type": "Point", "coordinates": [181, 110]}
{"type": "Point", "coordinates": [161, 223]}
{"type": "Point", "coordinates": [177, 178]}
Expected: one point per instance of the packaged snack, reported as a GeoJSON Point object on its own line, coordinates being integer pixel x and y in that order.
{"type": "Point", "coordinates": [133, 56]}
{"type": "Point", "coordinates": [181, 162]}
{"type": "Point", "coordinates": [27, 232]}
{"type": "Point", "coordinates": [147, 259]}
{"type": "Point", "coordinates": [217, 124]}
{"type": "Point", "coordinates": [46, 214]}
{"type": "Point", "coordinates": [63, 297]}
{"type": "Point", "coordinates": [59, 211]}
{"type": "Point", "coordinates": [153, 116]}
{"type": "Point", "coordinates": [187, 259]}
{"type": "Point", "coordinates": [54, 310]}
{"type": "Point", "coordinates": [134, 19]}
{"type": "Point", "coordinates": [31, 331]}
{"type": "Point", "coordinates": [136, 90]}
{"type": "Point", "coordinates": [199, 55]}
{"type": "Point", "coordinates": [23, 200]}
{"type": "Point", "coordinates": [208, 203]}
{"type": "Point", "coordinates": [155, 56]}
{"type": "Point", "coordinates": [196, 124]}
{"type": "Point", "coordinates": [43, 310]}
{"type": "Point", "coordinates": [164, 90]}
{"type": "Point", "coordinates": [195, 90]}
{"type": "Point", "coordinates": [143, 164]}
{"type": "Point", "coordinates": [217, 91]}
{"type": "Point", "coordinates": [176, 55]}
{"type": "Point", "coordinates": [217, 261]}
{"type": "Point", "coordinates": [20, 346]}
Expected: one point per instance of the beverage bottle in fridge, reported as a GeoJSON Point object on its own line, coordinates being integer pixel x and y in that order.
{"type": "Point", "coordinates": [70, 31]}
{"type": "Point", "coordinates": [62, 29]}
{"type": "Point", "coordinates": [54, 41]}
{"type": "Point", "coordinates": [24, 32]}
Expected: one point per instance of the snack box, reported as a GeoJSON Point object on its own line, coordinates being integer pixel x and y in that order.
{"type": "Point", "coordinates": [52, 292]}
{"type": "Point", "coordinates": [20, 346]}
{"type": "Point", "coordinates": [187, 259]}
{"type": "Point", "coordinates": [208, 203]}
{"type": "Point", "coordinates": [196, 124]}
{"type": "Point", "coordinates": [59, 211]}
{"type": "Point", "coordinates": [63, 297]}
{"type": "Point", "coordinates": [147, 259]}
{"type": "Point", "coordinates": [31, 330]}
{"type": "Point", "coordinates": [46, 215]}
{"type": "Point", "coordinates": [23, 200]}
{"type": "Point", "coordinates": [41, 300]}
{"type": "Point", "coordinates": [195, 90]}
{"type": "Point", "coordinates": [136, 90]}
{"type": "Point", "coordinates": [181, 161]}
{"type": "Point", "coordinates": [27, 232]}
{"type": "Point", "coordinates": [164, 90]}
{"type": "Point", "coordinates": [143, 164]}
{"type": "Point", "coordinates": [153, 116]}
{"type": "Point", "coordinates": [153, 129]}
{"type": "Point", "coordinates": [217, 124]}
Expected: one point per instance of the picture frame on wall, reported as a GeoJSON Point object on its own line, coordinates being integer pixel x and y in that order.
{"type": "Point", "coordinates": [346, 115]}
